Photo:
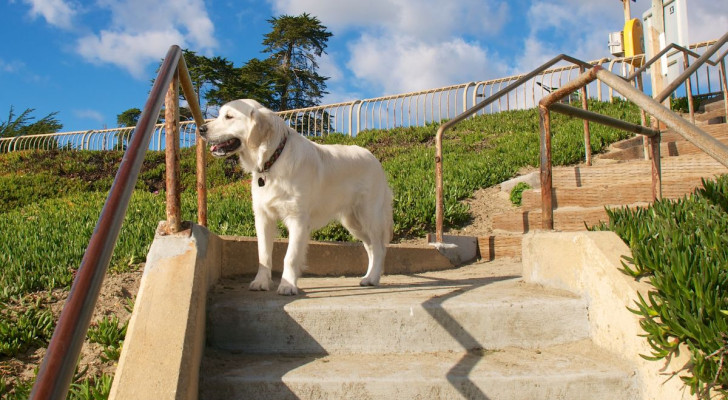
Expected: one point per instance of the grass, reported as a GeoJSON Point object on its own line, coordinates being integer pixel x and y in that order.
{"type": "Point", "coordinates": [50, 201]}
{"type": "Point", "coordinates": [681, 246]}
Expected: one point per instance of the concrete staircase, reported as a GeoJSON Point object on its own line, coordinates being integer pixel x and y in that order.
{"type": "Point", "coordinates": [620, 177]}
{"type": "Point", "coordinates": [477, 332]}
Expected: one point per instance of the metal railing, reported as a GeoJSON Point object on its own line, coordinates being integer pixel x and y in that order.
{"type": "Point", "coordinates": [439, 195]}
{"type": "Point", "coordinates": [56, 371]}
{"type": "Point", "coordinates": [95, 139]}
{"type": "Point", "coordinates": [694, 135]}
{"type": "Point", "coordinates": [690, 132]}
{"type": "Point", "coordinates": [401, 110]}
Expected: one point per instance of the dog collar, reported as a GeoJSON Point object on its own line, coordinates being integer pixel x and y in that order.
{"type": "Point", "coordinates": [273, 158]}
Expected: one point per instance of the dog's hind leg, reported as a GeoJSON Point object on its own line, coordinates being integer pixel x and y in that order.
{"type": "Point", "coordinates": [354, 226]}
{"type": "Point", "coordinates": [298, 234]}
{"type": "Point", "coordinates": [375, 249]}
{"type": "Point", "coordinates": [266, 231]}
{"type": "Point", "coordinates": [376, 253]}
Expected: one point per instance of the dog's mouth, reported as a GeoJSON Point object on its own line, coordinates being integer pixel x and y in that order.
{"type": "Point", "coordinates": [224, 148]}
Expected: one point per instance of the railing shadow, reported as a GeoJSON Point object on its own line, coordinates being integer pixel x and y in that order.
{"type": "Point", "coordinates": [304, 343]}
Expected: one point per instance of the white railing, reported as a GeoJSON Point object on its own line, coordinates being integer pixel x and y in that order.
{"type": "Point", "coordinates": [432, 106]}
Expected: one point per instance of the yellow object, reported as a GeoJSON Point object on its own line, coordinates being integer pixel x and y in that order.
{"type": "Point", "coordinates": [632, 40]}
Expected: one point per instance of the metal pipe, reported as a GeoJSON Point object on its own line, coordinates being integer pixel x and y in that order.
{"type": "Point", "coordinates": [602, 119]}
{"type": "Point", "coordinates": [587, 132]}
{"type": "Point", "coordinates": [56, 370]}
{"type": "Point", "coordinates": [722, 72]}
{"type": "Point", "coordinates": [689, 90]}
{"type": "Point", "coordinates": [547, 209]}
{"type": "Point", "coordinates": [690, 132]}
{"type": "Point", "coordinates": [689, 71]}
{"type": "Point", "coordinates": [657, 56]}
{"type": "Point", "coordinates": [439, 196]}
{"type": "Point", "coordinates": [172, 156]}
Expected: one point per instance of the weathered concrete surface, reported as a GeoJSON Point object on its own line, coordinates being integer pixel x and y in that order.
{"type": "Point", "coordinates": [475, 332]}
{"type": "Point", "coordinates": [240, 256]}
{"type": "Point", "coordinates": [458, 249]}
{"type": "Point", "coordinates": [587, 263]}
{"type": "Point", "coordinates": [472, 307]}
{"type": "Point", "coordinates": [164, 343]}
{"type": "Point", "coordinates": [161, 355]}
{"type": "Point", "coordinates": [574, 371]}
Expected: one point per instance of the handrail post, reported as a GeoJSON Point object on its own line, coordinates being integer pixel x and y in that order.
{"type": "Point", "coordinates": [547, 210]}
{"type": "Point", "coordinates": [172, 156]}
{"type": "Point", "coordinates": [587, 132]}
{"type": "Point", "coordinates": [655, 162]}
{"type": "Point", "coordinates": [689, 90]}
{"type": "Point", "coordinates": [722, 72]}
{"type": "Point", "coordinates": [439, 196]}
{"type": "Point", "coordinates": [200, 150]}
{"type": "Point", "coordinates": [643, 120]}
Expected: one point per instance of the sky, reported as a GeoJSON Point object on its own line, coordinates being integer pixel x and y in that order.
{"type": "Point", "coordinates": [91, 60]}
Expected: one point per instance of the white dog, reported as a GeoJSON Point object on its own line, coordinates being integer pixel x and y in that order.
{"type": "Point", "coordinates": [304, 184]}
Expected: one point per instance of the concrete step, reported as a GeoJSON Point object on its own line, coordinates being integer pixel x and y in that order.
{"type": "Point", "coordinates": [500, 246]}
{"type": "Point", "coordinates": [478, 306]}
{"type": "Point", "coordinates": [565, 219]}
{"type": "Point", "coordinates": [610, 195]}
{"type": "Point", "coordinates": [673, 168]}
{"type": "Point", "coordinates": [572, 371]}
{"type": "Point", "coordinates": [672, 144]}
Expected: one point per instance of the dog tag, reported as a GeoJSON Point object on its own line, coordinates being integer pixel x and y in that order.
{"type": "Point", "coordinates": [261, 182]}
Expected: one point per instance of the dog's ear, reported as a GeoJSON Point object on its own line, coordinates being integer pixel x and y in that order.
{"type": "Point", "coordinates": [259, 129]}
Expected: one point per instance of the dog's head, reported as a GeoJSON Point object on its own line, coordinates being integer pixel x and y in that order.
{"type": "Point", "coordinates": [241, 124]}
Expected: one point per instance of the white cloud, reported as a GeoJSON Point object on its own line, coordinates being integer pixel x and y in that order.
{"type": "Point", "coordinates": [427, 19]}
{"type": "Point", "coordinates": [556, 26]}
{"type": "Point", "coordinates": [56, 12]}
{"type": "Point", "coordinates": [707, 20]}
{"type": "Point", "coordinates": [140, 33]}
{"type": "Point", "coordinates": [131, 51]}
{"type": "Point", "coordinates": [403, 64]}
{"type": "Point", "coordinates": [407, 45]}
{"type": "Point", "coordinates": [90, 114]}
{"type": "Point", "coordinates": [11, 67]}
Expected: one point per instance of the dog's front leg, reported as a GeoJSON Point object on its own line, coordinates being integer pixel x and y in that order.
{"type": "Point", "coordinates": [266, 229]}
{"type": "Point", "coordinates": [298, 234]}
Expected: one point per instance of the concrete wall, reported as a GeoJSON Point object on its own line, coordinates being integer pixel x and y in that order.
{"type": "Point", "coordinates": [587, 263]}
{"type": "Point", "coordinates": [165, 339]}
{"type": "Point", "coordinates": [240, 256]}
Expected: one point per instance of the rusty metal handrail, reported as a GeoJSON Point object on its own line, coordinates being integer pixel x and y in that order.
{"type": "Point", "coordinates": [439, 196]}
{"type": "Point", "coordinates": [56, 370]}
{"type": "Point", "coordinates": [697, 64]}
{"type": "Point", "coordinates": [690, 132]}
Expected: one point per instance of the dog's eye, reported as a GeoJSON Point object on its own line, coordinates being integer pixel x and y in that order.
{"type": "Point", "coordinates": [228, 116]}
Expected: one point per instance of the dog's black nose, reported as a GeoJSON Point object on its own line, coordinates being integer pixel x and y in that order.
{"type": "Point", "coordinates": [203, 129]}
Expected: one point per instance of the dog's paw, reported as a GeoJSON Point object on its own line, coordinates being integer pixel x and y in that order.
{"type": "Point", "coordinates": [286, 289]}
{"type": "Point", "coordinates": [369, 281]}
{"type": "Point", "coordinates": [260, 284]}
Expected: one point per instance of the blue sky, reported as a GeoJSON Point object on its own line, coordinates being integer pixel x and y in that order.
{"type": "Point", "coordinates": [91, 60]}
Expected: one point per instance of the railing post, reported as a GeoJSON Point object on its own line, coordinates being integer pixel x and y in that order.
{"type": "Point", "coordinates": [547, 211]}
{"type": "Point", "coordinates": [587, 133]}
{"type": "Point", "coordinates": [172, 157]}
{"type": "Point", "coordinates": [439, 196]}
{"type": "Point", "coordinates": [689, 90]}
{"type": "Point", "coordinates": [351, 117]}
{"type": "Point", "coordinates": [656, 162]}
{"type": "Point", "coordinates": [723, 82]}
{"type": "Point", "coordinates": [643, 119]}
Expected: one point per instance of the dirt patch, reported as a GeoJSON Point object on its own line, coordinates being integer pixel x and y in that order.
{"type": "Point", "coordinates": [484, 204]}
{"type": "Point", "coordinates": [114, 297]}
